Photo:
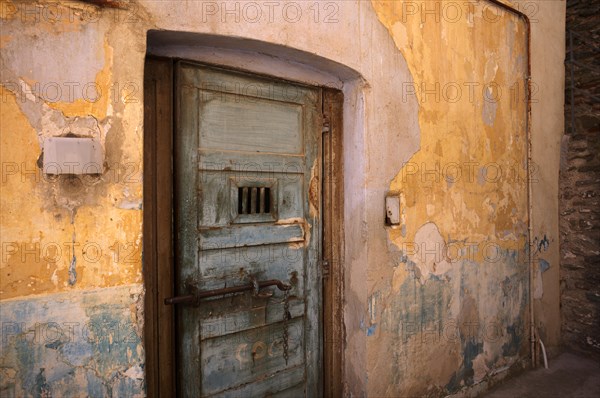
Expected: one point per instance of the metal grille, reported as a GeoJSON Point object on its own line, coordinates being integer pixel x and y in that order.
{"type": "Point", "coordinates": [254, 200]}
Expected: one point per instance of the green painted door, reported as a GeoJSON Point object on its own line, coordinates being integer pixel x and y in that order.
{"type": "Point", "coordinates": [247, 196]}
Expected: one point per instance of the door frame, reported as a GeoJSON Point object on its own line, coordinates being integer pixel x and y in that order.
{"type": "Point", "coordinates": [158, 264]}
{"type": "Point", "coordinates": [158, 259]}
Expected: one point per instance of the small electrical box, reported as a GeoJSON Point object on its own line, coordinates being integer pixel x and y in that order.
{"type": "Point", "coordinates": [71, 155]}
{"type": "Point", "coordinates": [392, 209]}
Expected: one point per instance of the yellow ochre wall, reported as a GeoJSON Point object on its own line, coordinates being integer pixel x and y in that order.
{"type": "Point", "coordinates": [458, 297]}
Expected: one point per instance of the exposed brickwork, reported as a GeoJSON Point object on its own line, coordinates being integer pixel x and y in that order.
{"type": "Point", "coordinates": [579, 185]}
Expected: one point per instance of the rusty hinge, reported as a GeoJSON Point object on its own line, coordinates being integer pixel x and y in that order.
{"type": "Point", "coordinates": [326, 125]}
{"type": "Point", "coordinates": [325, 270]}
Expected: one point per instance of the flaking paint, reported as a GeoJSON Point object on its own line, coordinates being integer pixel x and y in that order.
{"type": "Point", "coordinates": [62, 234]}
{"type": "Point", "coordinates": [436, 290]}
{"type": "Point", "coordinates": [73, 345]}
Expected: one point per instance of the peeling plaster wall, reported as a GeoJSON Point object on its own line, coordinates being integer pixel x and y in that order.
{"type": "Point", "coordinates": [71, 246]}
{"type": "Point", "coordinates": [60, 79]}
{"type": "Point", "coordinates": [457, 292]}
{"type": "Point", "coordinates": [449, 308]}
{"type": "Point", "coordinates": [71, 345]}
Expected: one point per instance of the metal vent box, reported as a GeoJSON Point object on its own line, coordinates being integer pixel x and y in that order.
{"type": "Point", "coordinates": [69, 155]}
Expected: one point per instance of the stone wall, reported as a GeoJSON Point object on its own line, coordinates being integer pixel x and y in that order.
{"type": "Point", "coordinates": [579, 185]}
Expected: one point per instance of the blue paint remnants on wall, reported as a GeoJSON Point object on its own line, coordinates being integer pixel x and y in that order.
{"type": "Point", "coordinates": [63, 345]}
{"type": "Point", "coordinates": [371, 330]}
{"type": "Point", "coordinates": [544, 265]}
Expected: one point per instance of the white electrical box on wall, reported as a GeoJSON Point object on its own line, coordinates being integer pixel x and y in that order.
{"type": "Point", "coordinates": [392, 209]}
{"type": "Point", "coordinates": [71, 155]}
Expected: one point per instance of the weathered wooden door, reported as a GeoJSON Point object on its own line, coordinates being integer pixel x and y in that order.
{"type": "Point", "coordinates": [247, 194]}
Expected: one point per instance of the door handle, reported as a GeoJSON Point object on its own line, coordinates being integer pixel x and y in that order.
{"type": "Point", "coordinates": [194, 299]}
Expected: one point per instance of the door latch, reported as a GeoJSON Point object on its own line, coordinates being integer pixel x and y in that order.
{"type": "Point", "coordinates": [256, 289]}
{"type": "Point", "coordinates": [193, 299]}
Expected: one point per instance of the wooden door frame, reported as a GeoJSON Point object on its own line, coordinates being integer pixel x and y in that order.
{"type": "Point", "coordinates": [158, 270]}
{"type": "Point", "coordinates": [158, 258]}
{"type": "Point", "coordinates": [332, 214]}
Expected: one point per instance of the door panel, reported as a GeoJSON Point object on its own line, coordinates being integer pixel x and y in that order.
{"type": "Point", "coordinates": [238, 123]}
{"type": "Point", "coordinates": [290, 384]}
{"type": "Point", "coordinates": [283, 262]}
{"type": "Point", "coordinates": [241, 358]}
{"type": "Point", "coordinates": [247, 197]}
